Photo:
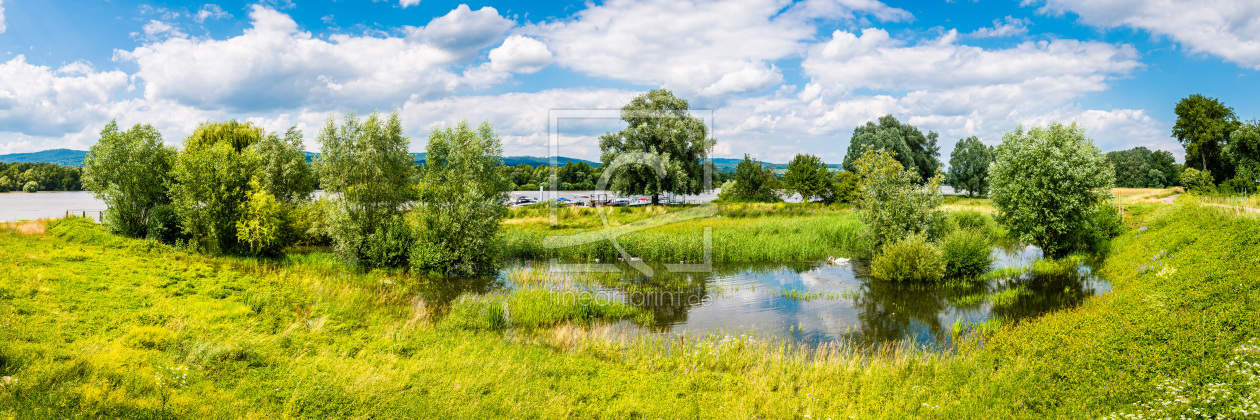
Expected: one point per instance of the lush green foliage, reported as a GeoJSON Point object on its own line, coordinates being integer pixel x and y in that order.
{"type": "Point", "coordinates": [907, 144]}
{"type": "Point", "coordinates": [129, 171]}
{"type": "Point", "coordinates": [661, 149]}
{"type": "Point", "coordinates": [1244, 149]}
{"type": "Point", "coordinates": [912, 258]}
{"type": "Point", "coordinates": [754, 182]}
{"type": "Point", "coordinates": [969, 167]}
{"type": "Point", "coordinates": [894, 204]}
{"type": "Point", "coordinates": [808, 177]}
{"type": "Point", "coordinates": [1203, 127]}
{"type": "Point", "coordinates": [462, 192]}
{"type": "Point", "coordinates": [49, 176]}
{"type": "Point", "coordinates": [283, 168]}
{"type": "Point", "coordinates": [365, 164]}
{"type": "Point", "coordinates": [264, 222]}
{"type": "Point", "coordinates": [570, 176]}
{"type": "Point", "coordinates": [1141, 168]}
{"type": "Point", "coordinates": [30, 187]}
{"type": "Point", "coordinates": [843, 188]}
{"type": "Point", "coordinates": [210, 181]}
{"type": "Point", "coordinates": [1048, 183]}
{"type": "Point", "coordinates": [967, 253]}
{"type": "Point", "coordinates": [180, 335]}
{"type": "Point", "coordinates": [1197, 181]}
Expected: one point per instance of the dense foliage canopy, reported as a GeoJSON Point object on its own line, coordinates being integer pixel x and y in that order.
{"type": "Point", "coordinates": [130, 171]}
{"type": "Point", "coordinates": [662, 149]}
{"type": "Point", "coordinates": [908, 145]}
{"type": "Point", "coordinates": [969, 166]}
{"type": "Point", "coordinates": [1049, 184]}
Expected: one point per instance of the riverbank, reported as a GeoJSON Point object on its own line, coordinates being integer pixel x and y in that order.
{"type": "Point", "coordinates": [95, 325]}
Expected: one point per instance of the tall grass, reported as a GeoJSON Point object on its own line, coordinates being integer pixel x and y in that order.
{"type": "Point", "coordinates": [102, 328]}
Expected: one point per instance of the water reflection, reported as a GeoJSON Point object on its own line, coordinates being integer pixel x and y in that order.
{"type": "Point", "coordinates": [812, 303]}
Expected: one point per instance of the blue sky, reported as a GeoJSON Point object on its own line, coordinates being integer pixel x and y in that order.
{"type": "Point", "coordinates": [780, 77]}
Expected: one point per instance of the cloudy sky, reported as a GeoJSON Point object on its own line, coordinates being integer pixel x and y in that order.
{"type": "Point", "coordinates": [780, 77]}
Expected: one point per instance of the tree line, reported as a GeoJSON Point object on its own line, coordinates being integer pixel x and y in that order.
{"type": "Point", "coordinates": [39, 176]}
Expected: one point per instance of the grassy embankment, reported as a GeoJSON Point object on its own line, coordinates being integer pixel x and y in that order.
{"type": "Point", "coordinates": [92, 325]}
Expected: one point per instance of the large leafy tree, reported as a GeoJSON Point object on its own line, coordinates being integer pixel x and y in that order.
{"type": "Point", "coordinates": [1244, 148]}
{"type": "Point", "coordinates": [969, 166]}
{"type": "Point", "coordinates": [129, 171]}
{"type": "Point", "coordinates": [366, 166]}
{"type": "Point", "coordinates": [285, 173]}
{"type": "Point", "coordinates": [462, 191]}
{"type": "Point", "coordinates": [908, 145]}
{"type": "Point", "coordinates": [1048, 185]}
{"type": "Point", "coordinates": [662, 148]}
{"type": "Point", "coordinates": [1139, 167]}
{"type": "Point", "coordinates": [1203, 127]}
{"type": "Point", "coordinates": [807, 176]}
{"type": "Point", "coordinates": [211, 180]}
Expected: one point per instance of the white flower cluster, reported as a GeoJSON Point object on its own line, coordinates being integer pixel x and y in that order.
{"type": "Point", "coordinates": [1237, 398]}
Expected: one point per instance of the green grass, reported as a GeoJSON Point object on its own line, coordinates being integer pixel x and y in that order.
{"type": "Point", "coordinates": [739, 233]}
{"type": "Point", "coordinates": [96, 326]}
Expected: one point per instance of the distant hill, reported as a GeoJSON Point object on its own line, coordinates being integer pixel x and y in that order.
{"type": "Point", "coordinates": [75, 158]}
{"type": "Point", "coordinates": [64, 157]}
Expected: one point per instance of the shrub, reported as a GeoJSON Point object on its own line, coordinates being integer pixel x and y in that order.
{"type": "Point", "coordinates": [753, 182]}
{"type": "Point", "coordinates": [894, 204]}
{"type": "Point", "coordinates": [967, 253]}
{"type": "Point", "coordinates": [1197, 181]}
{"type": "Point", "coordinates": [31, 187]}
{"type": "Point", "coordinates": [1105, 223]}
{"type": "Point", "coordinates": [263, 225]}
{"type": "Point", "coordinates": [807, 176]}
{"type": "Point", "coordinates": [1047, 182]}
{"type": "Point", "coordinates": [310, 223]}
{"type": "Point", "coordinates": [164, 224]}
{"type": "Point", "coordinates": [843, 189]}
{"type": "Point", "coordinates": [977, 220]}
{"type": "Point", "coordinates": [389, 246]}
{"type": "Point", "coordinates": [211, 181]}
{"type": "Point", "coordinates": [909, 259]}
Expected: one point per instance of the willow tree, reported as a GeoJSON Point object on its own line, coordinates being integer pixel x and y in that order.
{"type": "Point", "coordinates": [365, 165]}
{"type": "Point", "coordinates": [211, 180]}
{"type": "Point", "coordinates": [129, 171]}
{"type": "Point", "coordinates": [662, 149]}
{"type": "Point", "coordinates": [462, 191]}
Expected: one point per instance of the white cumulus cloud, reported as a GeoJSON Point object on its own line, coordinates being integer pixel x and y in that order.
{"type": "Point", "coordinates": [697, 47]}
{"type": "Point", "coordinates": [1229, 29]}
{"type": "Point", "coordinates": [276, 66]}
{"type": "Point", "coordinates": [520, 54]}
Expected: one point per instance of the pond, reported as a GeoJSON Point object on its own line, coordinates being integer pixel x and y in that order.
{"type": "Point", "coordinates": [820, 302]}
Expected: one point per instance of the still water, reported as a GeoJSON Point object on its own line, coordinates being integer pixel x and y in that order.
{"type": "Point", "coordinates": [46, 204]}
{"type": "Point", "coordinates": [820, 302]}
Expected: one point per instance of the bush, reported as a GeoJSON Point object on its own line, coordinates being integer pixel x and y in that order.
{"type": "Point", "coordinates": [977, 220]}
{"type": "Point", "coordinates": [1197, 181]}
{"type": "Point", "coordinates": [909, 259]}
{"type": "Point", "coordinates": [942, 226]}
{"type": "Point", "coordinates": [164, 224]}
{"type": "Point", "coordinates": [310, 223]}
{"type": "Point", "coordinates": [894, 203]}
{"type": "Point", "coordinates": [389, 246]}
{"type": "Point", "coordinates": [263, 226]}
{"type": "Point", "coordinates": [31, 187]}
{"type": "Point", "coordinates": [967, 253]}
{"type": "Point", "coordinates": [1105, 223]}
{"type": "Point", "coordinates": [844, 188]}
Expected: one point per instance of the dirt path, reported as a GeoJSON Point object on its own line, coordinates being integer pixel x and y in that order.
{"type": "Point", "coordinates": [1169, 199]}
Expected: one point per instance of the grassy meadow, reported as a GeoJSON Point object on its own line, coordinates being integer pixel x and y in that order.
{"type": "Point", "coordinates": [94, 325]}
